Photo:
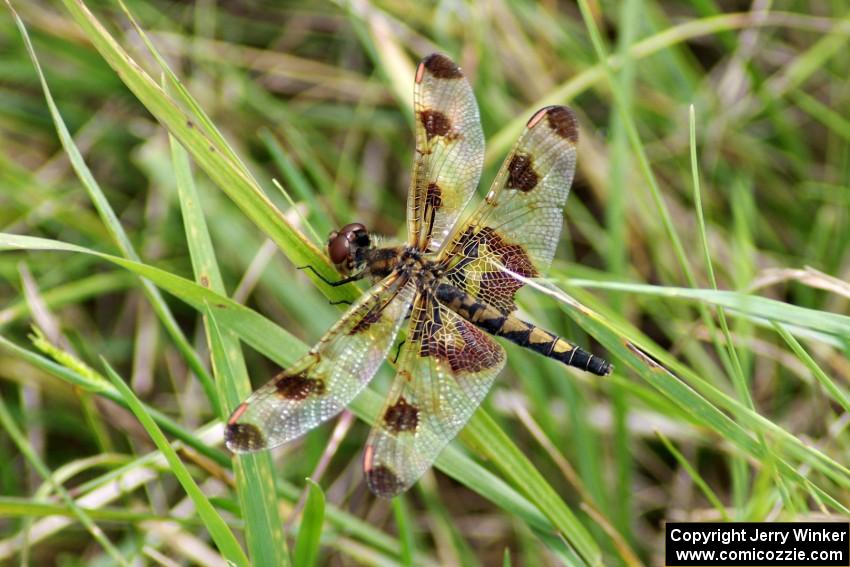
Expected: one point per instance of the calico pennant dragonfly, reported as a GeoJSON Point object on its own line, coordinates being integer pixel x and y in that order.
{"type": "Point", "coordinates": [451, 286]}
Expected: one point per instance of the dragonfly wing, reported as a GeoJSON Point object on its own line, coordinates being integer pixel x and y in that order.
{"type": "Point", "coordinates": [518, 225]}
{"type": "Point", "coordinates": [449, 151]}
{"type": "Point", "coordinates": [325, 380]}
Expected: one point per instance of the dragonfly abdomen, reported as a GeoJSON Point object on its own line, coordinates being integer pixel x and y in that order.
{"type": "Point", "coordinates": [520, 332]}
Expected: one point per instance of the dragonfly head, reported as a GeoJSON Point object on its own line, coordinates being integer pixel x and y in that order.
{"type": "Point", "coordinates": [346, 247]}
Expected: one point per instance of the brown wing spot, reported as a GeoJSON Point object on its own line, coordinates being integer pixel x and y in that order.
{"type": "Point", "coordinates": [435, 123]}
{"type": "Point", "coordinates": [521, 174]}
{"type": "Point", "coordinates": [564, 122]}
{"type": "Point", "coordinates": [433, 197]}
{"type": "Point", "coordinates": [401, 416]}
{"type": "Point", "coordinates": [442, 67]}
{"type": "Point", "coordinates": [243, 437]}
{"type": "Point", "coordinates": [298, 387]}
{"type": "Point", "coordinates": [383, 482]}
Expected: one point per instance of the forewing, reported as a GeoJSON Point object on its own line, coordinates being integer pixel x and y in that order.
{"type": "Point", "coordinates": [446, 368]}
{"type": "Point", "coordinates": [324, 381]}
{"type": "Point", "coordinates": [449, 151]}
{"type": "Point", "coordinates": [519, 223]}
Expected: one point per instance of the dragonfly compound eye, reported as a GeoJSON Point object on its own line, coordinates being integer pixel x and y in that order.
{"type": "Point", "coordinates": [339, 247]}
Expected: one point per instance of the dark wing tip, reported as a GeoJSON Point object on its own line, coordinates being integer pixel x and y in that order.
{"type": "Point", "coordinates": [563, 120]}
{"type": "Point", "coordinates": [243, 438]}
{"type": "Point", "coordinates": [441, 66]}
{"type": "Point", "coordinates": [383, 482]}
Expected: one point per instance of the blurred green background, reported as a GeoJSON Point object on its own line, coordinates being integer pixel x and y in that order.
{"type": "Point", "coordinates": [708, 227]}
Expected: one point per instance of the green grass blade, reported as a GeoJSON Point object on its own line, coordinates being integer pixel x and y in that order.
{"type": "Point", "coordinates": [839, 395]}
{"type": "Point", "coordinates": [758, 308]}
{"type": "Point", "coordinates": [35, 461]}
{"type": "Point", "coordinates": [405, 530]}
{"type": "Point", "coordinates": [218, 529]}
{"type": "Point", "coordinates": [254, 473]}
{"type": "Point", "coordinates": [204, 121]}
{"type": "Point", "coordinates": [695, 476]}
{"type": "Point", "coordinates": [309, 539]}
{"type": "Point", "coordinates": [740, 475]}
{"type": "Point", "coordinates": [12, 507]}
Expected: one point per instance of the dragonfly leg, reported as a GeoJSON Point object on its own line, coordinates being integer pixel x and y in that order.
{"type": "Point", "coordinates": [343, 281]}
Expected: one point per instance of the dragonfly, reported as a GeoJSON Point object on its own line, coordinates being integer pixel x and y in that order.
{"type": "Point", "coordinates": [451, 286]}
